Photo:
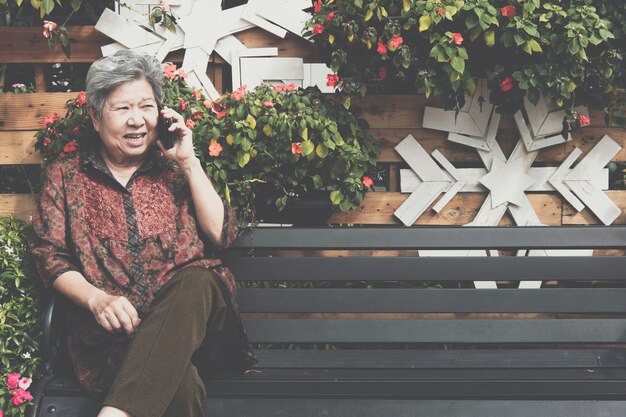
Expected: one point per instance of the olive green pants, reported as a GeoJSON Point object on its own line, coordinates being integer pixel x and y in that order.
{"type": "Point", "coordinates": [158, 376]}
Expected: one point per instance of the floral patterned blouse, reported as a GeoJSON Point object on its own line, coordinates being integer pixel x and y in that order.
{"type": "Point", "coordinates": [127, 241]}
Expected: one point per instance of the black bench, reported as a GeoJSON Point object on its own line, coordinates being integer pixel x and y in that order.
{"type": "Point", "coordinates": [403, 335]}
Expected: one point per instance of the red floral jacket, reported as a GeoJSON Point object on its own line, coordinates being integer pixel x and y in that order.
{"type": "Point", "coordinates": [127, 241]}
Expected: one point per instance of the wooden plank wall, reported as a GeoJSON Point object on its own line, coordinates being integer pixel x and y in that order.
{"type": "Point", "coordinates": [391, 118]}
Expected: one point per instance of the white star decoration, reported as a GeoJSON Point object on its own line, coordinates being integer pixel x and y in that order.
{"type": "Point", "coordinates": [507, 182]}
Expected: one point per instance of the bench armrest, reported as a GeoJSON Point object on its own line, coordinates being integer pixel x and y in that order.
{"type": "Point", "coordinates": [47, 342]}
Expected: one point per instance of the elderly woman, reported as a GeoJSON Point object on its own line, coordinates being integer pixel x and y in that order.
{"type": "Point", "coordinates": [126, 231]}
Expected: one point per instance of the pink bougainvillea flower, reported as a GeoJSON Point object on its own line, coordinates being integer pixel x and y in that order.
{"type": "Point", "coordinates": [332, 80]}
{"type": "Point", "coordinates": [268, 103]}
{"type": "Point", "coordinates": [190, 123]}
{"type": "Point", "coordinates": [457, 38]}
{"type": "Point", "coordinates": [169, 71]}
{"type": "Point", "coordinates": [382, 73]}
{"type": "Point", "coordinates": [69, 148]}
{"type": "Point", "coordinates": [291, 87]}
{"type": "Point", "coordinates": [296, 148]}
{"type": "Point", "coordinates": [508, 11]}
{"type": "Point", "coordinates": [197, 115]}
{"type": "Point", "coordinates": [381, 48]}
{"type": "Point", "coordinates": [441, 12]}
{"type": "Point", "coordinates": [81, 99]}
{"type": "Point", "coordinates": [330, 16]}
{"type": "Point", "coordinates": [317, 6]}
{"type": "Point", "coordinates": [220, 115]}
{"type": "Point", "coordinates": [318, 29]}
{"type": "Point", "coordinates": [239, 93]}
{"type": "Point", "coordinates": [182, 73]}
{"type": "Point", "coordinates": [48, 27]}
{"type": "Point", "coordinates": [506, 84]}
{"type": "Point", "coordinates": [49, 120]}
{"type": "Point", "coordinates": [367, 181]}
{"type": "Point", "coordinates": [395, 42]}
{"type": "Point", "coordinates": [584, 120]}
{"type": "Point", "coordinates": [215, 148]}
{"type": "Point", "coordinates": [13, 380]}
{"type": "Point", "coordinates": [25, 383]}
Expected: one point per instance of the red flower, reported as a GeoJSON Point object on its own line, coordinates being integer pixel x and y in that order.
{"type": "Point", "coordinates": [268, 103]}
{"type": "Point", "coordinates": [81, 99]}
{"type": "Point", "coordinates": [395, 42]}
{"type": "Point", "coordinates": [20, 396]}
{"type": "Point", "coordinates": [220, 115]}
{"type": "Point", "coordinates": [318, 29]}
{"type": "Point", "coordinates": [367, 181]}
{"type": "Point", "coordinates": [76, 130]}
{"type": "Point", "coordinates": [279, 88]}
{"type": "Point", "coordinates": [182, 104]}
{"type": "Point", "coordinates": [46, 141]}
{"type": "Point", "coordinates": [48, 27]}
{"type": "Point", "coordinates": [197, 94]}
{"type": "Point", "coordinates": [169, 71]}
{"type": "Point", "coordinates": [441, 12]}
{"type": "Point", "coordinates": [317, 6]}
{"type": "Point", "coordinates": [49, 120]}
{"type": "Point", "coordinates": [215, 148]}
{"type": "Point", "coordinates": [332, 80]}
{"type": "Point", "coordinates": [506, 84]}
{"type": "Point", "coordinates": [190, 123]}
{"type": "Point", "coordinates": [584, 120]}
{"type": "Point", "coordinates": [382, 73]}
{"type": "Point", "coordinates": [70, 147]}
{"type": "Point", "coordinates": [381, 48]}
{"type": "Point", "coordinates": [197, 115]}
{"type": "Point", "coordinates": [296, 148]}
{"type": "Point", "coordinates": [239, 93]}
{"type": "Point", "coordinates": [291, 87]}
{"type": "Point", "coordinates": [330, 16]}
{"type": "Point", "coordinates": [457, 38]}
{"type": "Point", "coordinates": [206, 104]}
{"type": "Point", "coordinates": [13, 380]}
{"type": "Point", "coordinates": [508, 11]}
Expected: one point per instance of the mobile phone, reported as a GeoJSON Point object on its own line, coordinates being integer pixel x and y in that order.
{"type": "Point", "coordinates": [164, 135]}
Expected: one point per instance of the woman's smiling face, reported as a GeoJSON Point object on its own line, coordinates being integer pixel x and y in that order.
{"type": "Point", "coordinates": [128, 123]}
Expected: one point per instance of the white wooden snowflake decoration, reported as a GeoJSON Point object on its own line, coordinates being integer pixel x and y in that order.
{"type": "Point", "coordinates": [202, 27]}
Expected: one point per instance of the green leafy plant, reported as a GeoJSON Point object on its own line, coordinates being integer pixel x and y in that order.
{"type": "Point", "coordinates": [275, 143]}
{"type": "Point", "coordinates": [569, 50]}
{"type": "Point", "coordinates": [19, 88]}
{"type": "Point", "coordinates": [20, 330]}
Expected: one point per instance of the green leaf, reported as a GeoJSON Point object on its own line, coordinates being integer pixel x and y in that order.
{"type": "Point", "coordinates": [317, 181]}
{"type": "Point", "coordinates": [76, 4]}
{"type": "Point", "coordinates": [458, 64]}
{"type": "Point", "coordinates": [534, 46]}
{"type": "Point", "coordinates": [490, 38]}
{"type": "Point", "coordinates": [321, 150]}
{"type": "Point", "coordinates": [425, 22]}
{"type": "Point", "coordinates": [346, 103]}
{"type": "Point", "coordinates": [336, 197]}
{"type": "Point", "coordinates": [243, 158]}
{"type": "Point", "coordinates": [48, 6]}
{"type": "Point", "coordinates": [307, 147]}
{"type": "Point", "coordinates": [251, 121]}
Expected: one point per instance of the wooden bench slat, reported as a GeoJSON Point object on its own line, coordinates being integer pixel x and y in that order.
{"type": "Point", "coordinates": [361, 268]}
{"type": "Point", "coordinates": [437, 331]}
{"type": "Point", "coordinates": [260, 407]}
{"type": "Point", "coordinates": [405, 300]}
{"type": "Point", "coordinates": [439, 358]}
{"type": "Point", "coordinates": [528, 237]}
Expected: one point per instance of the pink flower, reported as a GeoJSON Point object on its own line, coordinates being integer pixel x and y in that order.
{"type": "Point", "coordinates": [46, 141]}
{"type": "Point", "coordinates": [441, 12]}
{"type": "Point", "coordinates": [395, 42]}
{"type": "Point", "coordinates": [239, 93]}
{"type": "Point", "coordinates": [182, 104]}
{"type": "Point", "coordinates": [318, 29]}
{"type": "Point", "coordinates": [69, 148]}
{"type": "Point", "coordinates": [81, 99]}
{"type": "Point", "coordinates": [206, 104]}
{"type": "Point", "coordinates": [296, 148]}
{"type": "Point", "coordinates": [1, 413]}
{"type": "Point", "coordinates": [506, 84]}
{"type": "Point", "coordinates": [49, 120]}
{"type": "Point", "coordinates": [220, 115]}
{"type": "Point", "coordinates": [268, 104]}
{"type": "Point", "coordinates": [508, 11]}
{"type": "Point", "coordinates": [197, 94]}
{"type": "Point", "coordinates": [382, 73]}
{"type": "Point", "coordinates": [584, 120]}
{"type": "Point", "coordinates": [25, 383]}
{"type": "Point", "coordinates": [76, 130]}
{"type": "Point", "coordinates": [13, 380]}
{"type": "Point", "coordinates": [367, 181]}
{"type": "Point", "coordinates": [215, 149]}
{"type": "Point", "coordinates": [381, 48]}
{"type": "Point", "coordinates": [182, 73]}
{"type": "Point", "coordinates": [48, 27]}
{"type": "Point", "coordinates": [169, 71]}
{"type": "Point", "coordinates": [332, 80]}
{"type": "Point", "coordinates": [190, 123]}
{"type": "Point", "coordinates": [279, 88]}
{"type": "Point", "coordinates": [330, 16]}
{"type": "Point", "coordinates": [20, 396]}
{"type": "Point", "coordinates": [317, 6]}
{"type": "Point", "coordinates": [291, 87]}
{"type": "Point", "coordinates": [457, 38]}
{"type": "Point", "coordinates": [197, 115]}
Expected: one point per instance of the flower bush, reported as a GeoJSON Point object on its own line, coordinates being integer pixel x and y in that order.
{"type": "Point", "coordinates": [19, 88]}
{"type": "Point", "coordinates": [569, 50]}
{"type": "Point", "coordinates": [275, 144]}
{"type": "Point", "coordinates": [20, 330]}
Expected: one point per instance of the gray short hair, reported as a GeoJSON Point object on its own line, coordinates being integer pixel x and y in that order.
{"type": "Point", "coordinates": [108, 73]}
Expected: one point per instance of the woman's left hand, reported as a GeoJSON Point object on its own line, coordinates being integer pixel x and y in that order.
{"type": "Point", "coordinates": [182, 152]}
